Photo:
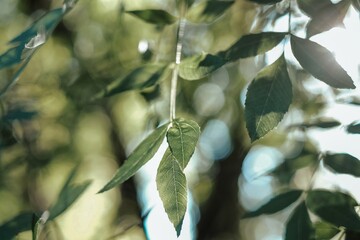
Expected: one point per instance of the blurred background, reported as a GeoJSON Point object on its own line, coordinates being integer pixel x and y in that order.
{"type": "Point", "coordinates": [54, 126]}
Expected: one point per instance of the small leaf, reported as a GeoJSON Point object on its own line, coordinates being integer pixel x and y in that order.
{"type": "Point", "coordinates": [268, 99]}
{"type": "Point", "coordinates": [319, 123]}
{"type": "Point", "coordinates": [325, 231]}
{"type": "Point", "coordinates": [299, 225]}
{"type": "Point", "coordinates": [319, 62]}
{"type": "Point", "coordinates": [182, 137]}
{"type": "Point", "coordinates": [353, 128]}
{"type": "Point", "coordinates": [208, 11]}
{"type": "Point", "coordinates": [154, 16]}
{"type": "Point", "coordinates": [17, 224]}
{"type": "Point", "coordinates": [252, 45]}
{"type": "Point", "coordinates": [141, 155]}
{"type": "Point", "coordinates": [276, 204]}
{"type": "Point", "coordinates": [265, 1]}
{"type": "Point", "coordinates": [171, 184]}
{"type": "Point", "coordinates": [199, 66]}
{"type": "Point", "coordinates": [312, 7]}
{"type": "Point", "coordinates": [343, 163]}
{"type": "Point", "coordinates": [334, 207]}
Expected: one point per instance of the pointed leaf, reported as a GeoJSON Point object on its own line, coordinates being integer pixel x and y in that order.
{"type": "Point", "coordinates": [299, 225]}
{"type": "Point", "coordinates": [199, 66]}
{"type": "Point", "coordinates": [171, 184]}
{"type": "Point", "coordinates": [19, 223]}
{"type": "Point", "coordinates": [265, 1]}
{"type": "Point", "coordinates": [325, 231]}
{"type": "Point", "coordinates": [252, 45]}
{"type": "Point", "coordinates": [208, 11]}
{"type": "Point", "coordinates": [353, 128]}
{"type": "Point", "coordinates": [319, 62]}
{"type": "Point", "coordinates": [343, 163]}
{"type": "Point", "coordinates": [276, 204]}
{"type": "Point", "coordinates": [154, 16]}
{"type": "Point", "coordinates": [182, 137]}
{"type": "Point", "coordinates": [268, 99]}
{"type": "Point", "coordinates": [141, 155]}
{"type": "Point", "coordinates": [334, 207]}
{"type": "Point", "coordinates": [312, 7]}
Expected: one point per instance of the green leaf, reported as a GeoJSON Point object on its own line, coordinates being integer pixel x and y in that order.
{"type": "Point", "coordinates": [154, 16]}
{"type": "Point", "coordinates": [268, 99]}
{"type": "Point", "coordinates": [252, 45]}
{"type": "Point", "coordinates": [199, 66]}
{"type": "Point", "coordinates": [11, 57]}
{"type": "Point", "coordinates": [328, 17]}
{"type": "Point", "coordinates": [208, 11]}
{"type": "Point", "coordinates": [17, 224]}
{"type": "Point", "coordinates": [353, 128]}
{"type": "Point", "coordinates": [69, 193]}
{"type": "Point", "coordinates": [265, 1]}
{"type": "Point", "coordinates": [313, 7]}
{"type": "Point", "coordinates": [325, 231]}
{"type": "Point", "coordinates": [276, 204]}
{"type": "Point", "coordinates": [334, 207]}
{"type": "Point", "coordinates": [140, 78]}
{"type": "Point", "coordinates": [343, 163]}
{"type": "Point", "coordinates": [35, 226]}
{"type": "Point", "coordinates": [319, 62]}
{"type": "Point", "coordinates": [299, 225]}
{"type": "Point", "coordinates": [182, 137]}
{"type": "Point", "coordinates": [141, 155]}
{"type": "Point", "coordinates": [171, 184]}
{"type": "Point", "coordinates": [356, 4]}
{"type": "Point", "coordinates": [319, 123]}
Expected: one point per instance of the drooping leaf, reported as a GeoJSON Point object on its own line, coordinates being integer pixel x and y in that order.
{"type": "Point", "coordinates": [140, 78]}
{"type": "Point", "coordinates": [299, 226]}
{"type": "Point", "coordinates": [276, 204]}
{"type": "Point", "coordinates": [343, 163]}
{"type": "Point", "coordinates": [182, 137]}
{"type": "Point", "coordinates": [353, 128]}
{"type": "Point", "coordinates": [312, 7]}
{"type": "Point", "coordinates": [208, 11]}
{"type": "Point", "coordinates": [319, 123]}
{"type": "Point", "coordinates": [171, 184]}
{"type": "Point", "coordinates": [69, 193]}
{"type": "Point", "coordinates": [252, 45]}
{"type": "Point", "coordinates": [154, 16]}
{"type": "Point", "coordinates": [19, 223]}
{"type": "Point", "coordinates": [325, 231]}
{"type": "Point", "coordinates": [265, 1]}
{"type": "Point", "coordinates": [268, 99]}
{"type": "Point", "coordinates": [199, 66]}
{"type": "Point", "coordinates": [328, 17]}
{"type": "Point", "coordinates": [141, 155]}
{"type": "Point", "coordinates": [319, 62]}
{"type": "Point", "coordinates": [334, 207]}
{"type": "Point", "coordinates": [356, 4]}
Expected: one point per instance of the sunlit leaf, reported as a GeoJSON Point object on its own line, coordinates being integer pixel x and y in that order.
{"type": "Point", "coordinates": [208, 11]}
{"type": "Point", "coordinates": [353, 128]}
{"type": "Point", "coordinates": [319, 62]}
{"type": "Point", "coordinates": [268, 99]}
{"type": "Point", "coordinates": [199, 66]}
{"type": "Point", "coordinates": [19, 223]}
{"type": "Point", "coordinates": [69, 193]}
{"type": "Point", "coordinates": [343, 163]}
{"type": "Point", "coordinates": [154, 16]}
{"type": "Point", "coordinates": [252, 45]}
{"type": "Point", "coordinates": [265, 1]}
{"type": "Point", "coordinates": [171, 184]}
{"type": "Point", "coordinates": [312, 7]}
{"type": "Point", "coordinates": [325, 231]}
{"type": "Point", "coordinates": [276, 204]}
{"type": "Point", "coordinates": [334, 207]}
{"type": "Point", "coordinates": [319, 123]}
{"type": "Point", "coordinates": [182, 137]}
{"type": "Point", "coordinates": [299, 226]}
{"type": "Point", "coordinates": [141, 155]}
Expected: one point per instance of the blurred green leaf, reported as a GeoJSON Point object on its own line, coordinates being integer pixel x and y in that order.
{"type": "Point", "coordinates": [268, 99]}
{"type": "Point", "coordinates": [334, 207]}
{"type": "Point", "coordinates": [353, 128]}
{"type": "Point", "coordinates": [141, 155]}
{"type": "Point", "coordinates": [252, 45]}
{"type": "Point", "coordinates": [199, 66]}
{"type": "Point", "coordinates": [319, 123]}
{"type": "Point", "coordinates": [171, 184]}
{"type": "Point", "coordinates": [208, 11]}
{"type": "Point", "coordinates": [313, 7]}
{"type": "Point", "coordinates": [299, 226]}
{"type": "Point", "coordinates": [276, 204]}
{"type": "Point", "coordinates": [343, 163]}
{"type": "Point", "coordinates": [182, 137]}
{"type": "Point", "coordinates": [265, 1]}
{"type": "Point", "coordinates": [154, 16]}
{"type": "Point", "coordinates": [17, 224]}
{"type": "Point", "coordinates": [325, 231]}
{"type": "Point", "coordinates": [356, 4]}
{"type": "Point", "coordinates": [19, 114]}
{"type": "Point", "coordinates": [319, 62]}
